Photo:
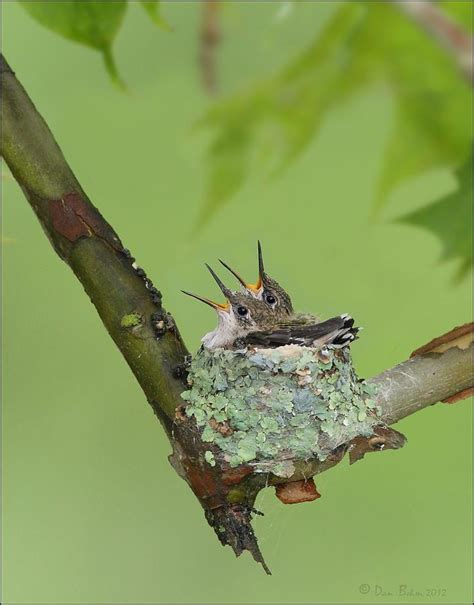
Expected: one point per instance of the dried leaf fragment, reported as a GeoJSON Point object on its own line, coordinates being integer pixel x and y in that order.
{"type": "Point", "coordinates": [297, 491]}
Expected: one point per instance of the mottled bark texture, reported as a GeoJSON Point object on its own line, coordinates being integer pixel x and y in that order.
{"type": "Point", "coordinates": [131, 310]}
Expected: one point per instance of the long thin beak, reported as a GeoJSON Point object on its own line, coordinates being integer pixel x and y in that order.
{"type": "Point", "coordinates": [224, 289]}
{"type": "Point", "coordinates": [234, 273]}
{"type": "Point", "coordinates": [261, 270]}
{"type": "Point", "coordinates": [217, 306]}
{"type": "Point", "coordinates": [255, 288]}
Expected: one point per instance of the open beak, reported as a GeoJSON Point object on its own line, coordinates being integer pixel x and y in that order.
{"type": "Point", "coordinates": [234, 273]}
{"type": "Point", "coordinates": [224, 289]}
{"type": "Point", "coordinates": [220, 308]}
{"type": "Point", "coordinates": [257, 287]}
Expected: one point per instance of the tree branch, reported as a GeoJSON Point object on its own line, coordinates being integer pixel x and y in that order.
{"type": "Point", "coordinates": [442, 369]}
{"type": "Point", "coordinates": [124, 297]}
{"type": "Point", "coordinates": [130, 308]}
{"type": "Point", "coordinates": [444, 30]}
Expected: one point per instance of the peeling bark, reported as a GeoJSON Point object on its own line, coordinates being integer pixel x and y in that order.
{"type": "Point", "coordinates": [384, 438]}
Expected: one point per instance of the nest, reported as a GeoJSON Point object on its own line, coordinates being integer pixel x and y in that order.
{"type": "Point", "coordinates": [268, 407]}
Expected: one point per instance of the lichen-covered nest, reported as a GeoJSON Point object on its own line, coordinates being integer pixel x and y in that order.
{"type": "Point", "coordinates": [267, 407]}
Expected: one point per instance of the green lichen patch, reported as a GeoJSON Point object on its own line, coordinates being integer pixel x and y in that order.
{"type": "Point", "coordinates": [209, 457]}
{"type": "Point", "coordinates": [132, 320]}
{"type": "Point", "coordinates": [278, 404]}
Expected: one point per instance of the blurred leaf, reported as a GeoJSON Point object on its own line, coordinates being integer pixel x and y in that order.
{"type": "Point", "coordinates": [278, 118]}
{"type": "Point", "coordinates": [364, 42]}
{"type": "Point", "coordinates": [450, 218]}
{"type": "Point", "coordinates": [230, 166]}
{"type": "Point", "coordinates": [93, 23]}
{"type": "Point", "coordinates": [153, 10]}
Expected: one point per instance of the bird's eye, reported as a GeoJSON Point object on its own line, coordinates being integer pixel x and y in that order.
{"type": "Point", "coordinates": [270, 299]}
{"type": "Point", "coordinates": [242, 311]}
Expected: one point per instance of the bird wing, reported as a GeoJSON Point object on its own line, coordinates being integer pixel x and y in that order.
{"type": "Point", "coordinates": [336, 332]}
{"type": "Point", "coordinates": [301, 319]}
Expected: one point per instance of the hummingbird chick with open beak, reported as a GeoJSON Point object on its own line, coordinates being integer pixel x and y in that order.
{"type": "Point", "coordinates": [245, 320]}
{"type": "Point", "coordinates": [269, 291]}
{"type": "Point", "coordinates": [265, 289]}
{"type": "Point", "coordinates": [236, 317]}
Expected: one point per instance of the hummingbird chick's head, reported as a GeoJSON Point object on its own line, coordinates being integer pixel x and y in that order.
{"type": "Point", "coordinates": [237, 317]}
{"type": "Point", "coordinates": [265, 289]}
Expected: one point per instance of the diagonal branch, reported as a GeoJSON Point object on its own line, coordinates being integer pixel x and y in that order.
{"type": "Point", "coordinates": [124, 297]}
{"type": "Point", "coordinates": [130, 308]}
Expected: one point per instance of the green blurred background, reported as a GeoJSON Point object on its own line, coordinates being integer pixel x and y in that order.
{"type": "Point", "coordinates": [92, 510]}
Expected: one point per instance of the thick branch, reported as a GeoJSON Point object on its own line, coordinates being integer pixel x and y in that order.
{"type": "Point", "coordinates": [443, 29]}
{"type": "Point", "coordinates": [125, 299]}
{"type": "Point", "coordinates": [423, 380]}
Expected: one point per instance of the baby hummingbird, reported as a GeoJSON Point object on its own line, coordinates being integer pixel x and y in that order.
{"type": "Point", "coordinates": [237, 317]}
{"type": "Point", "coordinates": [246, 320]}
{"type": "Point", "coordinates": [265, 289]}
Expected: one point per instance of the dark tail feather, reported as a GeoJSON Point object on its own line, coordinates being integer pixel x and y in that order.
{"type": "Point", "coordinates": [345, 335]}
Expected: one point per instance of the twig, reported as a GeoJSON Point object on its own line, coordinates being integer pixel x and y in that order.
{"type": "Point", "coordinates": [442, 28]}
{"type": "Point", "coordinates": [209, 41]}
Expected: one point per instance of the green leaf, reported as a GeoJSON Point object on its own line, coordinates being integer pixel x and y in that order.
{"type": "Point", "coordinates": [93, 23]}
{"type": "Point", "coordinates": [273, 122]}
{"type": "Point", "coordinates": [433, 101]}
{"type": "Point", "coordinates": [229, 164]}
{"type": "Point", "coordinates": [450, 218]}
{"type": "Point", "coordinates": [153, 10]}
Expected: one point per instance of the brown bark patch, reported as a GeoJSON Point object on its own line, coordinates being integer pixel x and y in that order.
{"type": "Point", "coordinates": [202, 481]}
{"type": "Point", "coordinates": [233, 476]}
{"type": "Point", "coordinates": [73, 217]}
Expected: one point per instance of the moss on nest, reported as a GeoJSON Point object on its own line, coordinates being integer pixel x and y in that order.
{"type": "Point", "coordinates": [266, 407]}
